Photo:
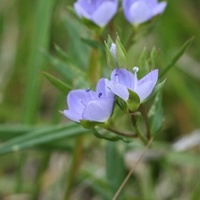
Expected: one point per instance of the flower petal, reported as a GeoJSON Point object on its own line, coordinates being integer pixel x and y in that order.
{"type": "Point", "coordinates": [139, 13]}
{"type": "Point", "coordinates": [119, 89]}
{"type": "Point", "coordinates": [72, 115]}
{"type": "Point", "coordinates": [124, 77]}
{"type": "Point", "coordinates": [105, 12]}
{"type": "Point", "coordinates": [78, 99]}
{"type": "Point", "coordinates": [159, 8]}
{"type": "Point", "coordinates": [102, 90]}
{"type": "Point", "coordinates": [98, 110]}
{"type": "Point", "coordinates": [81, 12]}
{"type": "Point", "coordinates": [147, 84]}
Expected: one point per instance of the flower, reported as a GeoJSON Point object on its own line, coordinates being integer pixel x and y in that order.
{"type": "Point", "coordinates": [89, 105]}
{"type": "Point", "coordinates": [98, 11]}
{"type": "Point", "coordinates": [122, 80]}
{"type": "Point", "coordinates": [139, 11]}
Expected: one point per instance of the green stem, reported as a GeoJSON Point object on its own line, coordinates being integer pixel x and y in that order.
{"type": "Point", "coordinates": [130, 135]}
{"type": "Point", "coordinates": [43, 166]}
{"type": "Point", "coordinates": [141, 136]}
{"type": "Point", "coordinates": [74, 166]}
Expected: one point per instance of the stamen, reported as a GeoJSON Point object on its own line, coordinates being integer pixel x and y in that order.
{"type": "Point", "coordinates": [117, 77]}
{"type": "Point", "coordinates": [135, 70]}
{"type": "Point", "coordinates": [82, 102]}
{"type": "Point", "coordinates": [88, 89]}
{"type": "Point", "coordinates": [100, 94]}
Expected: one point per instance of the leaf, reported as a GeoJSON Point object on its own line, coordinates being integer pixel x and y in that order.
{"type": "Point", "coordinates": [64, 55]}
{"type": "Point", "coordinates": [108, 136]}
{"type": "Point", "coordinates": [110, 59]}
{"type": "Point", "coordinates": [42, 136]}
{"type": "Point", "coordinates": [177, 56]}
{"type": "Point", "coordinates": [143, 63]}
{"type": "Point", "coordinates": [121, 53]}
{"type": "Point", "coordinates": [93, 43]}
{"type": "Point", "coordinates": [133, 101]}
{"type": "Point", "coordinates": [158, 87]}
{"type": "Point", "coordinates": [155, 115]}
{"type": "Point", "coordinates": [115, 169]}
{"type": "Point", "coordinates": [64, 88]}
{"type": "Point", "coordinates": [153, 57]}
{"type": "Point", "coordinates": [10, 131]}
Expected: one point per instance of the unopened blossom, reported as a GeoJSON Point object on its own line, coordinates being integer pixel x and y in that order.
{"type": "Point", "coordinates": [98, 11]}
{"type": "Point", "coordinates": [90, 105]}
{"type": "Point", "coordinates": [140, 11]}
{"type": "Point", "coordinates": [122, 80]}
{"type": "Point", "coordinates": [113, 50]}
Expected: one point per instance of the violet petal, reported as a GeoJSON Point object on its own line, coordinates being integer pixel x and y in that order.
{"type": "Point", "coordinates": [102, 87]}
{"type": "Point", "coordinates": [70, 114]}
{"type": "Point", "coordinates": [119, 89]}
{"type": "Point", "coordinates": [147, 84]}
{"type": "Point", "coordinates": [159, 8]}
{"type": "Point", "coordinates": [124, 77]}
{"type": "Point", "coordinates": [104, 13]}
{"type": "Point", "coordinates": [98, 110]}
{"type": "Point", "coordinates": [139, 13]}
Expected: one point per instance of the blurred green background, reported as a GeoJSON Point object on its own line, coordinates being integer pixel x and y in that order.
{"type": "Point", "coordinates": [44, 156]}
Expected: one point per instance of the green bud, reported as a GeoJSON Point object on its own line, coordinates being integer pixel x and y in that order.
{"type": "Point", "coordinates": [133, 101]}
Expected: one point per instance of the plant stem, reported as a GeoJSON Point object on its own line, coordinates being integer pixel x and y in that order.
{"type": "Point", "coordinates": [74, 166]}
{"type": "Point", "coordinates": [130, 135]}
{"type": "Point", "coordinates": [132, 169]}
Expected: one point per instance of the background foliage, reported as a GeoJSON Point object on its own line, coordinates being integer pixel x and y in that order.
{"type": "Point", "coordinates": [43, 156]}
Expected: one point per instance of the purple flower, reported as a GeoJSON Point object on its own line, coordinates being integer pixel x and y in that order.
{"type": "Point", "coordinates": [122, 80]}
{"type": "Point", "coordinates": [139, 11]}
{"type": "Point", "coordinates": [98, 11]}
{"type": "Point", "coordinates": [89, 105]}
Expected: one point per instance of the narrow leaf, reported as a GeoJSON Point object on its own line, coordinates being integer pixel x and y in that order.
{"type": "Point", "coordinates": [64, 88]}
{"type": "Point", "coordinates": [115, 169]}
{"type": "Point", "coordinates": [177, 56]}
{"type": "Point", "coordinates": [41, 136]}
{"type": "Point", "coordinates": [155, 115]}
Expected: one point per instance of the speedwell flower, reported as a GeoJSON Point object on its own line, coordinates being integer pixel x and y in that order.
{"type": "Point", "coordinates": [98, 11]}
{"type": "Point", "coordinates": [90, 105]}
{"type": "Point", "coordinates": [122, 80]}
{"type": "Point", "coordinates": [139, 11]}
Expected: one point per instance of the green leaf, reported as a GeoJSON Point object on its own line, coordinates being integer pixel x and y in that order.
{"type": "Point", "coordinates": [64, 88]}
{"type": "Point", "coordinates": [158, 88]}
{"type": "Point", "coordinates": [115, 169]}
{"type": "Point", "coordinates": [153, 57]}
{"type": "Point", "coordinates": [110, 59]}
{"type": "Point", "coordinates": [42, 136]}
{"type": "Point", "coordinates": [90, 124]}
{"type": "Point", "coordinates": [11, 131]}
{"type": "Point", "coordinates": [107, 136]}
{"type": "Point", "coordinates": [143, 63]}
{"type": "Point", "coordinates": [93, 43]}
{"type": "Point", "coordinates": [177, 56]}
{"type": "Point", "coordinates": [133, 101]}
{"type": "Point", "coordinates": [155, 115]}
{"type": "Point", "coordinates": [121, 53]}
